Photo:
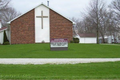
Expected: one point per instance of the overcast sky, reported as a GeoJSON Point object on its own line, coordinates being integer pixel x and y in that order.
{"type": "Point", "coordinates": [68, 8]}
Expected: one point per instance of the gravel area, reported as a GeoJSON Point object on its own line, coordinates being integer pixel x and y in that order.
{"type": "Point", "coordinates": [55, 60]}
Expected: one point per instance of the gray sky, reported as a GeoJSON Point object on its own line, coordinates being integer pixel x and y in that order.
{"type": "Point", "coordinates": [68, 8]}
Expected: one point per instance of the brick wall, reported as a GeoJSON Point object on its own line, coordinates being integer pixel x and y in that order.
{"type": "Point", "coordinates": [23, 29]}
{"type": "Point", "coordinates": [60, 27]}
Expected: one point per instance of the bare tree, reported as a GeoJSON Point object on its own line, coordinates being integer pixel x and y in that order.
{"type": "Point", "coordinates": [7, 13]}
{"type": "Point", "coordinates": [84, 26]}
{"type": "Point", "coordinates": [4, 4]}
{"type": "Point", "coordinates": [98, 19]}
{"type": "Point", "coordinates": [89, 26]}
{"type": "Point", "coordinates": [116, 7]}
{"type": "Point", "coordinates": [96, 14]}
{"type": "Point", "coordinates": [77, 26]}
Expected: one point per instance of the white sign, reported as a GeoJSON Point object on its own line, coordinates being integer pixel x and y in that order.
{"type": "Point", "coordinates": [59, 44]}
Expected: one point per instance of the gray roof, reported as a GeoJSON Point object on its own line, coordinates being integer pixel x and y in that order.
{"type": "Point", "coordinates": [87, 35]}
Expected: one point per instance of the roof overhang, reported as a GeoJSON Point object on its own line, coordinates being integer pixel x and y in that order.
{"type": "Point", "coordinates": [3, 29]}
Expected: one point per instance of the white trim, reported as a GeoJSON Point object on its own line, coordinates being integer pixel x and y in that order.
{"type": "Point", "coordinates": [36, 7]}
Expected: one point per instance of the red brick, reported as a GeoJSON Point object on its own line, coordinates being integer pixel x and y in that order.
{"type": "Point", "coordinates": [60, 27]}
{"type": "Point", "coordinates": [23, 29]}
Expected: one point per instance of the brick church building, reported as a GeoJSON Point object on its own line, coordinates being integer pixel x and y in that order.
{"type": "Point", "coordinates": [38, 25]}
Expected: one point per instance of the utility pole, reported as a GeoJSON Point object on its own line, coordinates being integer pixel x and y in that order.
{"type": "Point", "coordinates": [97, 14]}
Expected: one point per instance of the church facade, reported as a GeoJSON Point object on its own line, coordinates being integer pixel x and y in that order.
{"type": "Point", "coordinates": [39, 25]}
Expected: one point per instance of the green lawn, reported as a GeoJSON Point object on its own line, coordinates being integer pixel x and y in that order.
{"type": "Point", "coordinates": [74, 51]}
{"type": "Point", "coordinates": [108, 70]}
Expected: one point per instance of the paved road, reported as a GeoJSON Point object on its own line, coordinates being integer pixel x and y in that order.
{"type": "Point", "coordinates": [55, 60]}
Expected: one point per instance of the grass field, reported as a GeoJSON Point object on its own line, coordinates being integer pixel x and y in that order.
{"type": "Point", "coordinates": [108, 70]}
{"type": "Point", "coordinates": [74, 51]}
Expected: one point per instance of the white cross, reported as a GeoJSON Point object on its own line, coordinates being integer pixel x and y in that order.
{"type": "Point", "coordinates": [42, 18]}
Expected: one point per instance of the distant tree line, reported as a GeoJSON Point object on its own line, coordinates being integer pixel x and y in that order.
{"type": "Point", "coordinates": [7, 12]}
{"type": "Point", "coordinates": [100, 19]}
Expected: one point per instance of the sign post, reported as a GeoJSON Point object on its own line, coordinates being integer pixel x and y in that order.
{"type": "Point", "coordinates": [58, 44]}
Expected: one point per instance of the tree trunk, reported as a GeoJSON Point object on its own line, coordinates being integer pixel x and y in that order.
{"type": "Point", "coordinates": [103, 39]}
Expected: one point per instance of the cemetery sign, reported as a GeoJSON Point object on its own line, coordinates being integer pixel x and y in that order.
{"type": "Point", "coordinates": [59, 44]}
